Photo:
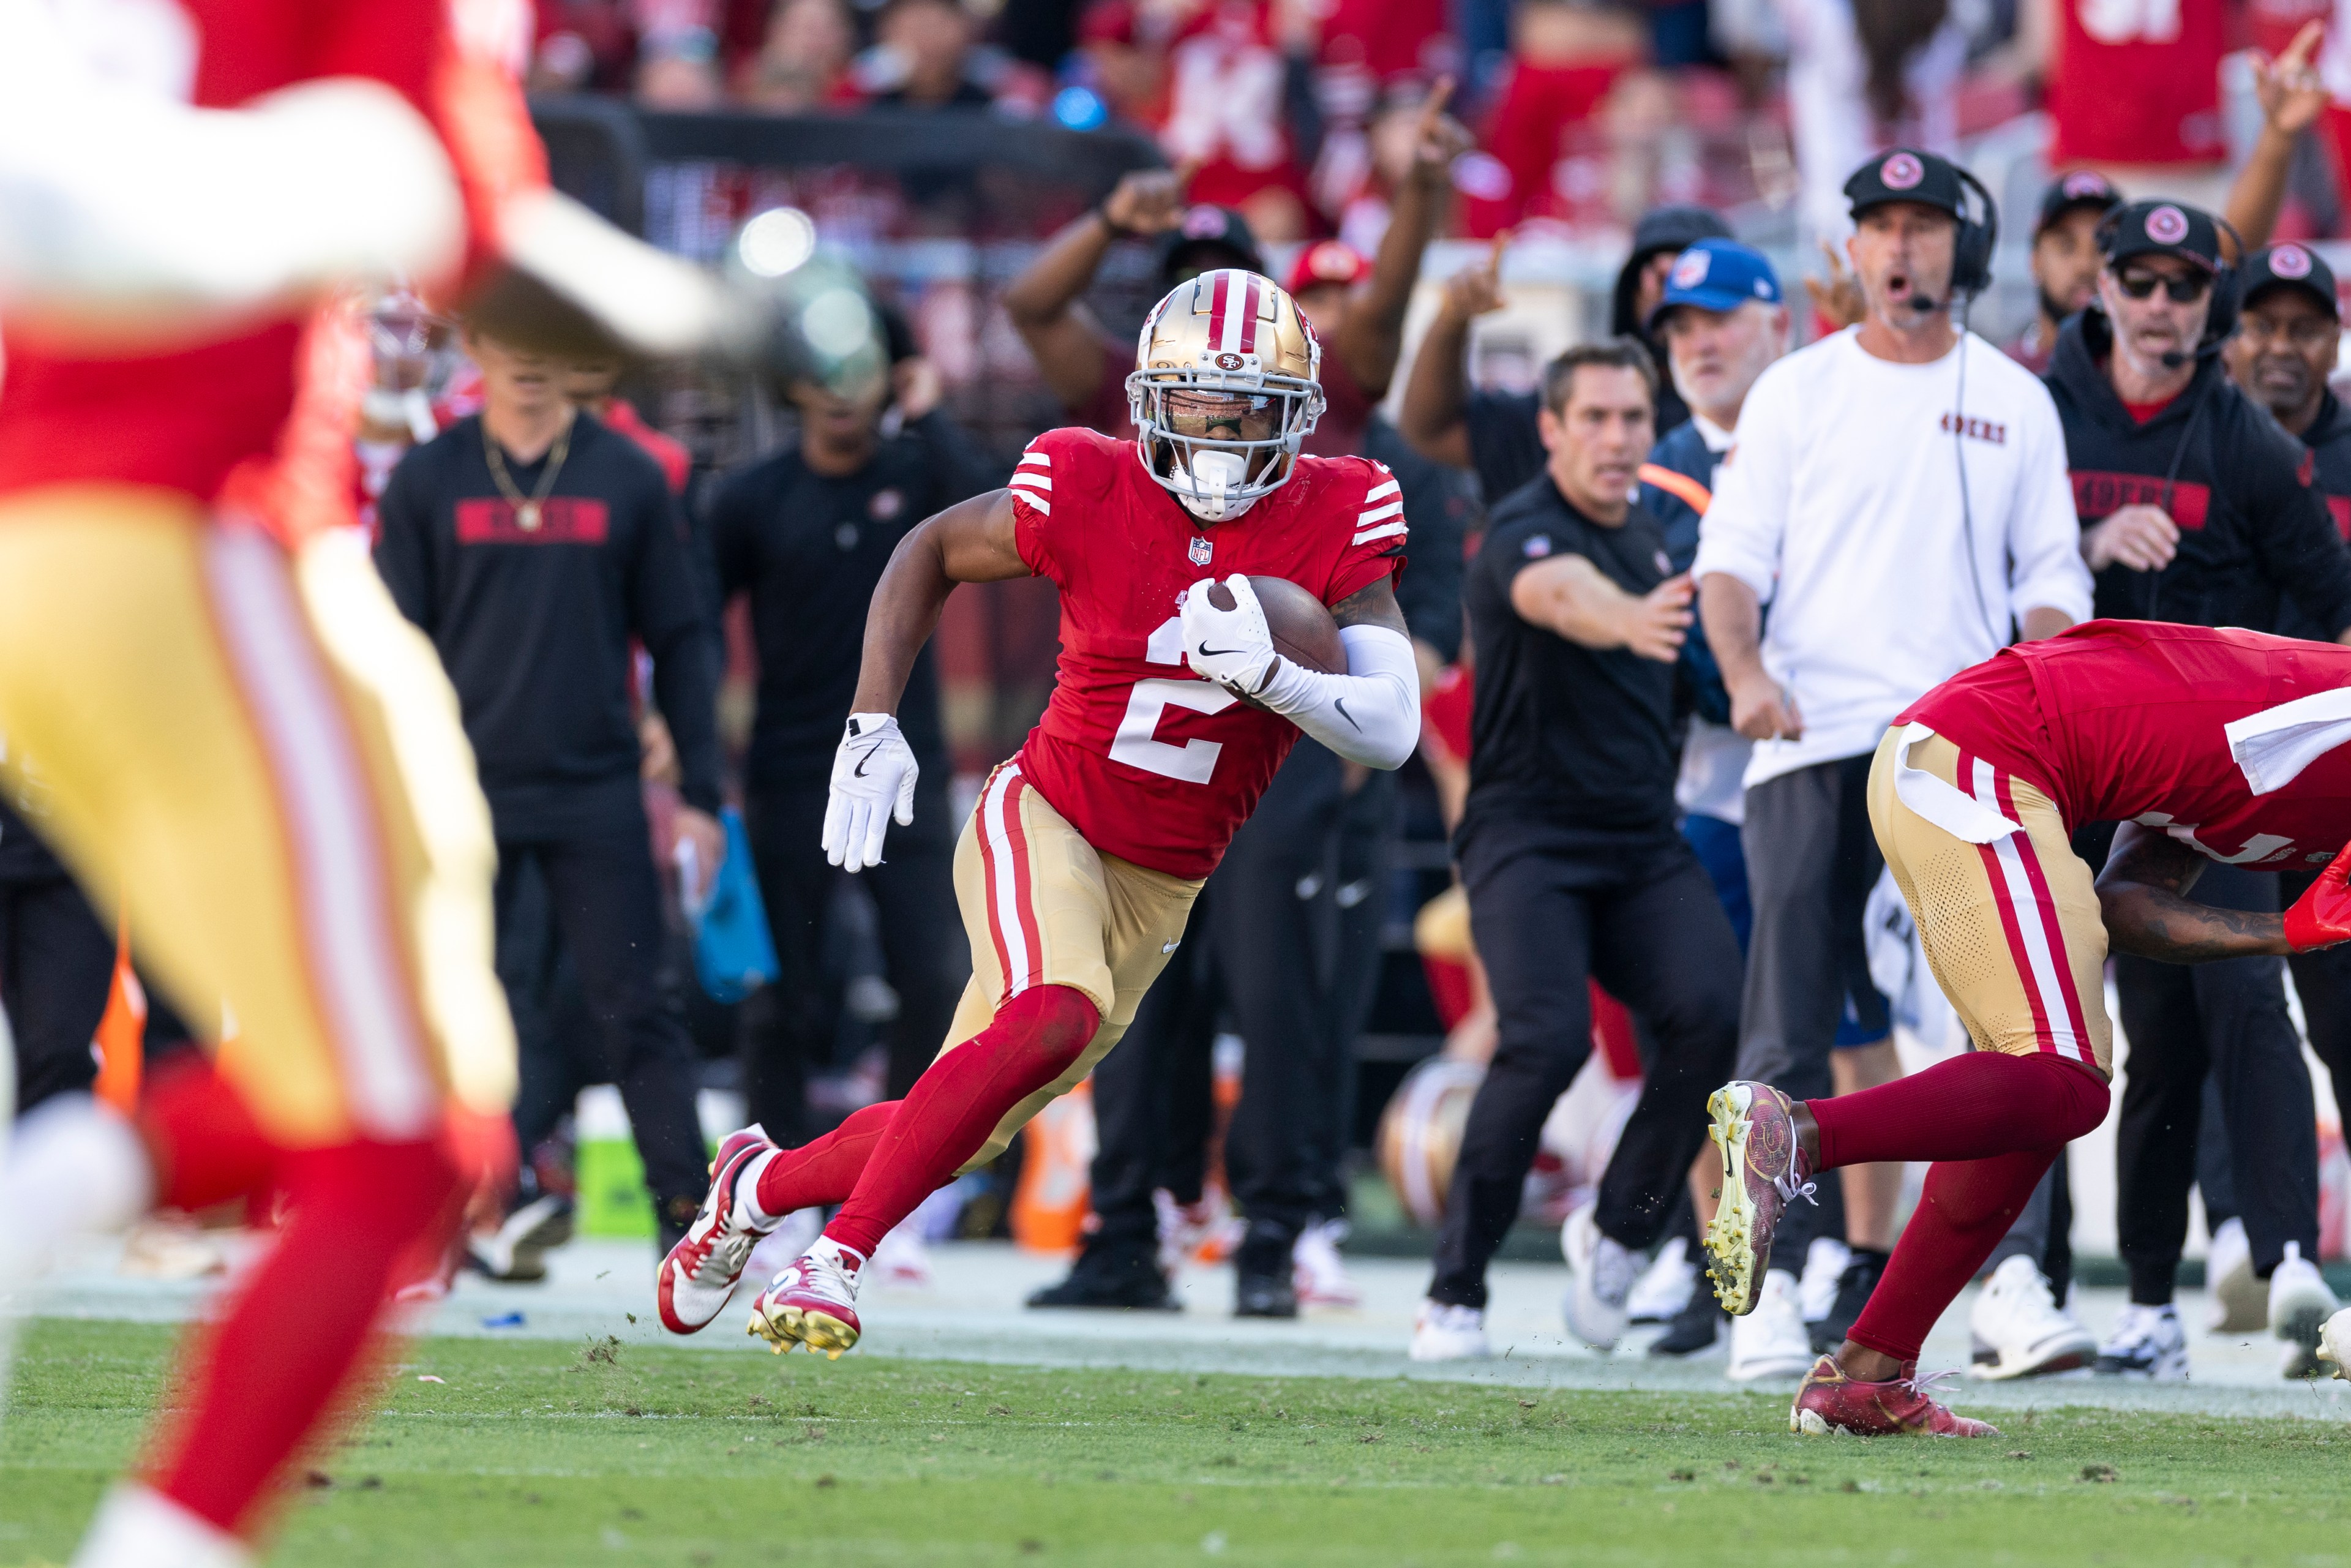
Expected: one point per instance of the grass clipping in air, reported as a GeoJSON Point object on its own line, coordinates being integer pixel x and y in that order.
{"type": "Point", "coordinates": [539, 1452]}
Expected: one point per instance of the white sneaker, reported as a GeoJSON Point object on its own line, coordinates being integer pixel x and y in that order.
{"type": "Point", "coordinates": [1444, 1333]}
{"type": "Point", "coordinates": [2334, 1344]}
{"type": "Point", "coordinates": [2300, 1305]}
{"type": "Point", "coordinates": [2019, 1329]}
{"type": "Point", "coordinates": [2240, 1301]}
{"type": "Point", "coordinates": [1604, 1272]}
{"type": "Point", "coordinates": [900, 1260]}
{"type": "Point", "coordinates": [1317, 1273]}
{"type": "Point", "coordinates": [1824, 1261]}
{"type": "Point", "coordinates": [2147, 1342]}
{"type": "Point", "coordinates": [1770, 1341]}
{"type": "Point", "coordinates": [1664, 1288]}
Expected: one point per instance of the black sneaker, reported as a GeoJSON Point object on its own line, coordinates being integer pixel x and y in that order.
{"type": "Point", "coordinates": [1693, 1329]}
{"type": "Point", "coordinates": [1265, 1296]}
{"type": "Point", "coordinates": [1860, 1277]}
{"type": "Point", "coordinates": [516, 1252]}
{"type": "Point", "coordinates": [1112, 1279]}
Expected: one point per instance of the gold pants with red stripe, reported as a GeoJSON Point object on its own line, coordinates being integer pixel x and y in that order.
{"type": "Point", "coordinates": [1044, 907]}
{"type": "Point", "coordinates": [257, 758]}
{"type": "Point", "coordinates": [2011, 928]}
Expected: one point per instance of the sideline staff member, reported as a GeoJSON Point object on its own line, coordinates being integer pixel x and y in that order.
{"type": "Point", "coordinates": [1570, 854]}
{"type": "Point", "coordinates": [530, 542]}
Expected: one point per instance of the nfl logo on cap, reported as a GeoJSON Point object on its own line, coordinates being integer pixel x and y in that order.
{"type": "Point", "coordinates": [2087, 182]}
{"type": "Point", "coordinates": [1690, 270]}
{"type": "Point", "coordinates": [2289, 261]}
{"type": "Point", "coordinates": [1901, 172]}
{"type": "Point", "coordinates": [2167, 224]}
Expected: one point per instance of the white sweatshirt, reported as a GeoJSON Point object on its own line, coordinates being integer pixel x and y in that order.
{"type": "Point", "coordinates": [1840, 506]}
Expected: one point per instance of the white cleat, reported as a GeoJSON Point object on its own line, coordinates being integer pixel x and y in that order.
{"type": "Point", "coordinates": [1771, 1341]}
{"type": "Point", "coordinates": [1605, 1272]}
{"type": "Point", "coordinates": [813, 1302]}
{"type": "Point", "coordinates": [1444, 1333]}
{"type": "Point", "coordinates": [2334, 1344]}
{"type": "Point", "coordinates": [1664, 1287]}
{"type": "Point", "coordinates": [2240, 1299]}
{"type": "Point", "coordinates": [2147, 1342]}
{"type": "Point", "coordinates": [698, 1277]}
{"type": "Point", "coordinates": [1317, 1271]}
{"type": "Point", "coordinates": [2300, 1306]}
{"type": "Point", "coordinates": [2021, 1331]}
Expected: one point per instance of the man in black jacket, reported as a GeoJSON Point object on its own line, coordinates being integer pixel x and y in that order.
{"type": "Point", "coordinates": [2196, 509]}
{"type": "Point", "coordinates": [805, 532]}
{"type": "Point", "coordinates": [531, 543]}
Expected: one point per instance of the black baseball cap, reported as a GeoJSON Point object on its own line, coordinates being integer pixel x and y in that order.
{"type": "Point", "coordinates": [1907, 175]}
{"type": "Point", "coordinates": [1208, 227]}
{"type": "Point", "coordinates": [2070, 192]}
{"type": "Point", "coordinates": [2293, 266]}
{"type": "Point", "coordinates": [2161, 228]}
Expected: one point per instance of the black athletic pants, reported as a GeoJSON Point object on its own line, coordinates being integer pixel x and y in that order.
{"type": "Point", "coordinates": [2228, 1019]}
{"type": "Point", "coordinates": [2322, 979]}
{"type": "Point", "coordinates": [56, 962]}
{"type": "Point", "coordinates": [1645, 921]}
{"type": "Point", "coordinates": [923, 947]}
{"type": "Point", "coordinates": [604, 899]}
{"type": "Point", "coordinates": [1259, 947]}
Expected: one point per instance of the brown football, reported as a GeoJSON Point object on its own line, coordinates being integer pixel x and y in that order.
{"type": "Point", "coordinates": [1302, 630]}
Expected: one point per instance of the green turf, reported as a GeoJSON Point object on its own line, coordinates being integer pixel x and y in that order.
{"type": "Point", "coordinates": [543, 1453]}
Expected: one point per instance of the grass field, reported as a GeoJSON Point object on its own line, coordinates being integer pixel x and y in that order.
{"type": "Point", "coordinates": [535, 1452]}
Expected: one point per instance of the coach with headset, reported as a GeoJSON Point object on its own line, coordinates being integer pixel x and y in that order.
{"type": "Point", "coordinates": [2197, 508]}
{"type": "Point", "coordinates": [1897, 499]}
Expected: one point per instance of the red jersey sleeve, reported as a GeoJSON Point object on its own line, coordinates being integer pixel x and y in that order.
{"type": "Point", "coordinates": [1375, 531]}
{"type": "Point", "coordinates": [1063, 465]}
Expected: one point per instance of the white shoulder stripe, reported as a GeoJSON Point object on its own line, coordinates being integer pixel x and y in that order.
{"type": "Point", "coordinates": [1034, 501]}
{"type": "Point", "coordinates": [1041, 459]}
{"type": "Point", "coordinates": [1382, 531]}
{"type": "Point", "coordinates": [1373, 515]}
{"type": "Point", "coordinates": [1376, 491]}
{"type": "Point", "coordinates": [1032, 481]}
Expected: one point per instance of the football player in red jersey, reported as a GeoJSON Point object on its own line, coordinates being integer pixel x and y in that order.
{"type": "Point", "coordinates": [242, 745]}
{"type": "Point", "coordinates": [2207, 746]}
{"type": "Point", "coordinates": [1167, 719]}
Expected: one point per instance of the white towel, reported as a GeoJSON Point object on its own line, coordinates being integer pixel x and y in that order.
{"type": "Point", "coordinates": [2272, 747]}
{"type": "Point", "coordinates": [1956, 812]}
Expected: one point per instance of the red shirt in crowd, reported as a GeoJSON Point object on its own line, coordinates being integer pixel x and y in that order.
{"type": "Point", "coordinates": [1145, 760]}
{"type": "Point", "coordinates": [2120, 721]}
{"type": "Point", "coordinates": [2138, 81]}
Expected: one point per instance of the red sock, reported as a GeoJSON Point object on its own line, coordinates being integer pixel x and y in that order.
{"type": "Point", "coordinates": [957, 1103]}
{"type": "Point", "coordinates": [1965, 1208]}
{"type": "Point", "coordinates": [1979, 1103]}
{"type": "Point", "coordinates": [824, 1170]}
{"type": "Point", "coordinates": [291, 1349]}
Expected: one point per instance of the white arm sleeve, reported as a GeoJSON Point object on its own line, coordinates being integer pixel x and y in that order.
{"type": "Point", "coordinates": [1371, 714]}
{"type": "Point", "coordinates": [117, 197]}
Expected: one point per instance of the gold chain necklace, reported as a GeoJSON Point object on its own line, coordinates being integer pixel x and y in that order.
{"type": "Point", "coordinates": [527, 507]}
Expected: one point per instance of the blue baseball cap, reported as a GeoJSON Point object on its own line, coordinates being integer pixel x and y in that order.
{"type": "Point", "coordinates": [1718, 274]}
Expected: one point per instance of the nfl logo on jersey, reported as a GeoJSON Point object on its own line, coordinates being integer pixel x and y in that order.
{"type": "Point", "coordinates": [1200, 551]}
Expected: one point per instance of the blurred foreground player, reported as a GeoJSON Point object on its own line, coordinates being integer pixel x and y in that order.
{"type": "Point", "coordinates": [2207, 746]}
{"type": "Point", "coordinates": [1079, 868]}
{"type": "Point", "coordinates": [239, 737]}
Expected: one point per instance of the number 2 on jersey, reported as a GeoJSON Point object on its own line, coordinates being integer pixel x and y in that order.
{"type": "Point", "coordinates": [1135, 745]}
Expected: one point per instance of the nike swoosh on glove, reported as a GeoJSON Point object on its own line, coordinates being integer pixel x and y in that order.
{"type": "Point", "coordinates": [872, 773]}
{"type": "Point", "coordinates": [1231, 647]}
{"type": "Point", "coordinates": [2322, 916]}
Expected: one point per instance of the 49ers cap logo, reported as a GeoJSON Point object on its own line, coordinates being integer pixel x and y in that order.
{"type": "Point", "coordinates": [2167, 224]}
{"type": "Point", "coordinates": [1204, 223]}
{"type": "Point", "coordinates": [1691, 269]}
{"type": "Point", "coordinates": [1901, 172]}
{"type": "Point", "coordinates": [2289, 261]}
{"type": "Point", "coordinates": [2087, 182]}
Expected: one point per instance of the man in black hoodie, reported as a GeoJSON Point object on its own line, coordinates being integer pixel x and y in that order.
{"type": "Point", "coordinates": [530, 543]}
{"type": "Point", "coordinates": [2196, 509]}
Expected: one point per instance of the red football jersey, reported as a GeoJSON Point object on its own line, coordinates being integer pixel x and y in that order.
{"type": "Point", "coordinates": [2120, 721]}
{"type": "Point", "coordinates": [1147, 760]}
{"type": "Point", "coordinates": [2138, 81]}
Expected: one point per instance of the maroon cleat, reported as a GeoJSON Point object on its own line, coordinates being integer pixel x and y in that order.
{"type": "Point", "coordinates": [698, 1277]}
{"type": "Point", "coordinates": [1828, 1401]}
{"type": "Point", "coordinates": [1763, 1171]}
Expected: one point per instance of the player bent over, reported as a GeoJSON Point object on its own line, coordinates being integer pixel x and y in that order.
{"type": "Point", "coordinates": [2206, 746]}
{"type": "Point", "coordinates": [1168, 718]}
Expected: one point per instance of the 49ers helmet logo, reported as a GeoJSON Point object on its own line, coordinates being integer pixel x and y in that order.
{"type": "Point", "coordinates": [1228, 361]}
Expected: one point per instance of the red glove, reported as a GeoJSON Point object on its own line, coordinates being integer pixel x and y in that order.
{"type": "Point", "coordinates": [2322, 916]}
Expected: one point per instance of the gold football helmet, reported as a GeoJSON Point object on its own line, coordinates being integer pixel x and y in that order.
{"type": "Point", "coordinates": [1227, 385]}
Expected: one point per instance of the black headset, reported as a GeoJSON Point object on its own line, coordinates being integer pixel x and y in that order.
{"type": "Point", "coordinates": [1979, 239]}
{"type": "Point", "coordinates": [2228, 285]}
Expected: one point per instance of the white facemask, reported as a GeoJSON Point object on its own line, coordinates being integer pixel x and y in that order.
{"type": "Point", "coordinates": [1203, 489]}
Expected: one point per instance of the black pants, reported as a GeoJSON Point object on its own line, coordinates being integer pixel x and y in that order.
{"type": "Point", "coordinates": [1646, 922]}
{"type": "Point", "coordinates": [2322, 979]}
{"type": "Point", "coordinates": [56, 962]}
{"type": "Point", "coordinates": [2228, 1019]}
{"type": "Point", "coordinates": [923, 944]}
{"type": "Point", "coordinates": [604, 899]}
{"type": "Point", "coordinates": [1264, 946]}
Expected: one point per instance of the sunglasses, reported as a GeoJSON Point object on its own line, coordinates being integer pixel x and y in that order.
{"type": "Point", "coordinates": [2179, 290]}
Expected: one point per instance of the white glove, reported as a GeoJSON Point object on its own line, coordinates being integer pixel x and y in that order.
{"type": "Point", "coordinates": [874, 769]}
{"type": "Point", "coordinates": [1230, 647]}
